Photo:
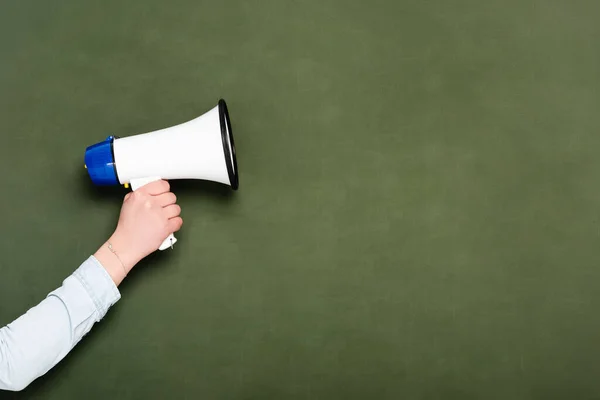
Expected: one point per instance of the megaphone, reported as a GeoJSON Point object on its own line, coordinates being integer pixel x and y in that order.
{"type": "Point", "coordinates": [202, 148]}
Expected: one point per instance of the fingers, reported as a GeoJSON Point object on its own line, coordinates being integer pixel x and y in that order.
{"type": "Point", "coordinates": [127, 196]}
{"type": "Point", "coordinates": [166, 199]}
{"type": "Point", "coordinates": [174, 224]}
{"type": "Point", "coordinates": [155, 188]}
{"type": "Point", "coordinates": [172, 211]}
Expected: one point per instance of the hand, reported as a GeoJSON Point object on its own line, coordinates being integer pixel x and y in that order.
{"type": "Point", "coordinates": [148, 216]}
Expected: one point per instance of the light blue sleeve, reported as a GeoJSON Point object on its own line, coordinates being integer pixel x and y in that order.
{"type": "Point", "coordinates": [36, 341]}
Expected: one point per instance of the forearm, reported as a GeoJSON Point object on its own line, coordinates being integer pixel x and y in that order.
{"type": "Point", "coordinates": [35, 342]}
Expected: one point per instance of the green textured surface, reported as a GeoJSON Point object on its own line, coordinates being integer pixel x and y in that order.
{"type": "Point", "coordinates": [418, 207]}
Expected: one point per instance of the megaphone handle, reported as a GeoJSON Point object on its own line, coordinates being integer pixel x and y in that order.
{"type": "Point", "coordinates": [138, 183]}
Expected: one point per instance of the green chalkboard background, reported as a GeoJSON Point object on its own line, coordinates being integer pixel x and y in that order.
{"type": "Point", "coordinates": [419, 203]}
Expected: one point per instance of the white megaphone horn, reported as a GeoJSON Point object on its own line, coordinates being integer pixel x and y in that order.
{"type": "Point", "coordinates": [202, 148]}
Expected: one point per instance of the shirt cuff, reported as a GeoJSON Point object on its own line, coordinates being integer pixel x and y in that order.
{"type": "Point", "coordinates": [98, 284]}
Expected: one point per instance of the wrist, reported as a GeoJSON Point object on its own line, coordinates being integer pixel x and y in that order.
{"type": "Point", "coordinates": [122, 248]}
{"type": "Point", "coordinates": [111, 264]}
{"type": "Point", "coordinates": [116, 257]}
